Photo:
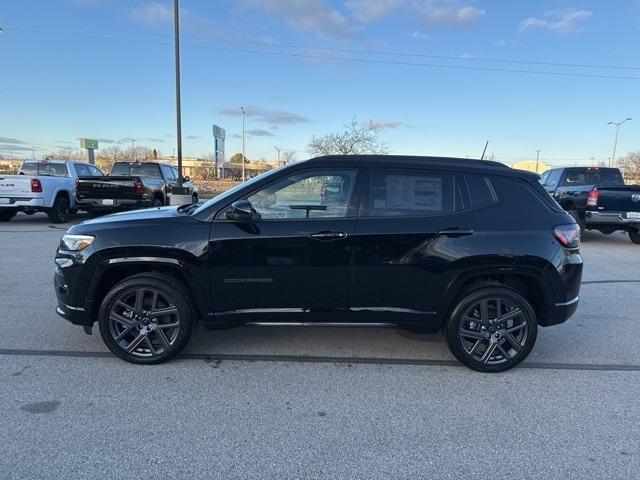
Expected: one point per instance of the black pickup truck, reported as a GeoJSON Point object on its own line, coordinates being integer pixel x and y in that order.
{"type": "Point", "coordinates": [597, 198]}
{"type": "Point", "coordinates": [130, 185]}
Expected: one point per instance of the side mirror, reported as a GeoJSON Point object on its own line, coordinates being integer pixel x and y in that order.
{"type": "Point", "coordinates": [241, 211]}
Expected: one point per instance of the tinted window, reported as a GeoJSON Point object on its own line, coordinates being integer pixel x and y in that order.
{"type": "Point", "coordinates": [175, 173]}
{"type": "Point", "coordinates": [480, 190]}
{"type": "Point", "coordinates": [44, 168]}
{"type": "Point", "coordinates": [410, 193]}
{"type": "Point", "coordinates": [95, 171]}
{"type": "Point", "coordinates": [81, 170]}
{"type": "Point", "coordinates": [553, 178]}
{"type": "Point", "coordinates": [592, 176]}
{"type": "Point", "coordinates": [168, 173]}
{"type": "Point", "coordinates": [120, 169]}
{"type": "Point", "coordinates": [319, 194]}
{"type": "Point", "coordinates": [136, 169]}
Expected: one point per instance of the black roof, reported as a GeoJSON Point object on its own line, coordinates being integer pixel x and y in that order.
{"type": "Point", "coordinates": [451, 164]}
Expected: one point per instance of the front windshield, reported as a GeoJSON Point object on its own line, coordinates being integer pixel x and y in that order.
{"type": "Point", "coordinates": [235, 189]}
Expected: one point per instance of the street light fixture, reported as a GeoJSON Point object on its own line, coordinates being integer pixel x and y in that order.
{"type": "Point", "coordinates": [615, 141]}
{"type": "Point", "coordinates": [243, 157]}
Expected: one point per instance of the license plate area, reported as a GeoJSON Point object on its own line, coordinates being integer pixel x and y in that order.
{"type": "Point", "coordinates": [633, 215]}
{"type": "Point", "coordinates": [4, 201]}
{"type": "Point", "coordinates": [107, 201]}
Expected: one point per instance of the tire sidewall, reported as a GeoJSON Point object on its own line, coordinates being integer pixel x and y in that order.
{"type": "Point", "coordinates": [453, 323]}
{"type": "Point", "coordinates": [173, 291]}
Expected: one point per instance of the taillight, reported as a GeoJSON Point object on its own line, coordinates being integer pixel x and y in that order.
{"type": "Point", "coordinates": [568, 235]}
{"type": "Point", "coordinates": [36, 186]}
{"type": "Point", "coordinates": [592, 198]}
{"type": "Point", "coordinates": [137, 186]}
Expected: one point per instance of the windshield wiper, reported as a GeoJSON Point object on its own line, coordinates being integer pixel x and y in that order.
{"type": "Point", "coordinates": [188, 207]}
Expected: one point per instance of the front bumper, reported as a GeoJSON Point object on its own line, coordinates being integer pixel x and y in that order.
{"type": "Point", "coordinates": [21, 202]}
{"type": "Point", "coordinates": [610, 218]}
{"type": "Point", "coordinates": [76, 314]}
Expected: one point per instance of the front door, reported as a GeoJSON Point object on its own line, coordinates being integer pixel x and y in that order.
{"type": "Point", "coordinates": [291, 262]}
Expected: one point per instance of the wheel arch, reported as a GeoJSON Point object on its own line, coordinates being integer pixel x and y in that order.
{"type": "Point", "coordinates": [529, 283]}
{"type": "Point", "coordinates": [112, 271]}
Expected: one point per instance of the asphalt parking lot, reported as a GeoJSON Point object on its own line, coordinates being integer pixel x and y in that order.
{"type": "Point", "coordinates": [317, 402]}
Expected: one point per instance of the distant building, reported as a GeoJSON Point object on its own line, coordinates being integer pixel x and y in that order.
{"type": "Point", "coordinates": [530, 165]}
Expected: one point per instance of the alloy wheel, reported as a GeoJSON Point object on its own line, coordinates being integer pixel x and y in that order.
{"type": "Point", "coordinates": [493, 331]}
{"type": "Point", "coordinates": [144, 322]}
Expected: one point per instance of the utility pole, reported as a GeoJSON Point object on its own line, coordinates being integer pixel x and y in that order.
{"type": "Point", "coordinates": [176, 22]}
{"type": "Point", "coordinates": [278, 150]}
{"type": "Point", "coordinates": [615, 141]}
{"type": "Point", "coordinates": [537, 159]}
{"type": "Point", "coordinates": [133, 149]}
{"type": "Point", "coordinates": [243, 156]}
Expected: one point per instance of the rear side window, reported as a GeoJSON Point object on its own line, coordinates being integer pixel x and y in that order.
{"type": "Point", "coordinates": [553, 178]}
{"type": "Point", "coordinates": [481, 192]}
{"type": "Point", "coordinates": [81, 170]}
{"type": "Point", "coordinates": [94, 171]}
{"type": "Point", "coordinates": [410, 193]}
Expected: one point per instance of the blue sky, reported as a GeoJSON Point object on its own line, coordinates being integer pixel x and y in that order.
{"type": "Point", "coordinates": [104, 69]}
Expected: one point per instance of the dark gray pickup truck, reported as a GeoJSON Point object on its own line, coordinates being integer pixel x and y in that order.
{"type": "Point", "coordinates": [131, 185]}
{"type": "Point", "coordinates": [597, 198]}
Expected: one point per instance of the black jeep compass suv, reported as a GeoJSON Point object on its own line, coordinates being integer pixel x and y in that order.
{"type": "Point", "coordinates": [469, 247]}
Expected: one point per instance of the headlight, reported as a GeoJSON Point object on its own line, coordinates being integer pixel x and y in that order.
{"type": "Point", "coordinates": [75, 243]}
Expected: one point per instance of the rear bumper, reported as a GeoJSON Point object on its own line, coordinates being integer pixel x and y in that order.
{"type": "Point", "coordinates": [561, 312]}
{"type": "Point", "coordinates": [610, 218]}
{"type": "Point", "coordinates": [21, 202]}
{"type": "Point", "coordinates": [97, 204]}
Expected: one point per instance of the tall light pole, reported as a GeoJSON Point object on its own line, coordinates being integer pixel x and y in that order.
{"type": "Point", "coordinates": [278, 150]}
{"type": "Point", "coordinates": [537, 159]}
{"type": "Point", "coordinates": [615, 141]}
{"type": "Point", "coordinates": [243, 156]}
{"type": "Point", "coordinates": [176, 30]}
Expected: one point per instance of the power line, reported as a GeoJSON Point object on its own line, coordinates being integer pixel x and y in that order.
{"type": "Point", "coordinates": [362, 60]}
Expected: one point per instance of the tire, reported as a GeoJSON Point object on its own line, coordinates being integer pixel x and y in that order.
{"type": "Point", "coordinates": [59, 212]}
{"type": "Point", "coordinates": [576, 217]}
{"type": "Point", "coordinates": [7, 214]}
{"type": "Point", "coordinates": [131, 333]}
{"type": "Point", "coordinates": [470, 340]}
{"type": "Point", "coordinates": [634, 236]}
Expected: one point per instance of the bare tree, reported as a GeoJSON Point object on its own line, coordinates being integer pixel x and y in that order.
{"type": "Point", "coordinates": [287, 156]}
{"type": "Point", "coordinates": [356, 138]}
{"type": "Point", "coordinates": [630, 166]}
{"type": "Point", "coordinates": [67, 153]}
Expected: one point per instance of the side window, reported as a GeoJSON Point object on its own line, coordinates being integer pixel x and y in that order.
{"type": "Point", "coordinates": [480, 191]}
{"type": "Point", "coordinates": [81, 170]}
{"type": "Point", "coordinates": [318, 194]}
{"type": "Point", "coordinates": [553, 178]}
{"type": "Point", "coordinates": [543, 178]}
{"type": "Point", "coordinates": [174, 172]}
{"type": "Point", "coordinates": [410, 193]}
{"type": "Point", "coordinates": [167, 172]}
{"type": "Point", "coordinates": [94, 171]}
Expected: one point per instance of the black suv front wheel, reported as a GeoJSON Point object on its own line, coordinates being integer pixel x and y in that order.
{"type": "Point", "coordinates": [146, 318]}
{"type": "Point", "coordinates": [492, 329]}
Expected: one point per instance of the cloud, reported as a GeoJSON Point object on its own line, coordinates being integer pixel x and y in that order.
{"type": "Point", "coordinates": [14, 148]}
{"type": "Point", "coordinates": [500, 43]}
{"type": "Point", "coordinates": [272, 118]}
{"type": "Point", "coordinates": [382, 124]}
{"type": "Point", "coordinates": [192, 137]}
{"type": "Point", "coordinates": [10, 140]}
{"type": "Point", "coordinates": [366, 11]}
{"type": "Point", "coordinates": [447, 12]}
{"type": "Point", "coordinates": [259, 132]}
{"type": "Point", "coordinates": [311, 15]}
{"type": "Point", "coordinates": [566, 20]}
{"type": "Point", "coordinates": [153, 13]}
{"type": "Point", "coordinates": [152, 139]}
{"type": "Point", "coordinates": [126, 140]}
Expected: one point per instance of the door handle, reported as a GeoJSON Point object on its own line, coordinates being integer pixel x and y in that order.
{"type": "Point", "coordinates": [328, 236]}
{"type": "Point", "coordinates": [455, 232]}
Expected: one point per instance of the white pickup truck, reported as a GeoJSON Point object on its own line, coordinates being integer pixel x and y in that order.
{"type": "Point", "coordinates": [44, 186]}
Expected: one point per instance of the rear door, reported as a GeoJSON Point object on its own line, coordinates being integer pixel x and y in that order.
{"type": "Point", "coordinates": [414, 232]}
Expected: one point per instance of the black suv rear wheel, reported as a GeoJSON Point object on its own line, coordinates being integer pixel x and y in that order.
{"type": "Point", "coordinates": [634, 236]}
{"type": "Point", "coordinates": [492, 329]}
{"type": "Point", "coordinates": [146, 318]}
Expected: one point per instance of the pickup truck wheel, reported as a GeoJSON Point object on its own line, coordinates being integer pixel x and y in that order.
{"type": "Point", "coordinates": [146, 318]}
{"type": "Point", "coordinates": [7, 214]}
{"type": "Point", "coordinates": [59, 212]}
{"type": "Point", "coordinates": [634, 236]}
{"type": "Point", "coordinates": [492, 329]}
